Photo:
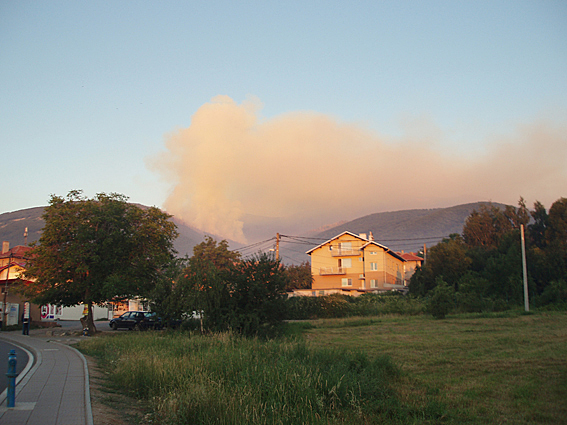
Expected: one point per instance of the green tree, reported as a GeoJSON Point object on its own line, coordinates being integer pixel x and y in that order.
{"type": "Point", "coordinates": [556, 238]}
{"type": "Point", "coordinates": [95, 250]}
{"type": "Point", "coordinates": [486, 227]}
{"type": "Point", "coordinates": [257, 295]}
{"type": "Point", "coordinates": [536, 230]}
{"type": "Point", "coordinates": [246, 296]}
{"type": "Point", "coordinates": [168, 295]}
{"type": "Point", "coordinates": [216, 253]}
{"type": "Point", "coordinates": [448, 259]}
{"type": "Point", "coordinates": [299, 276]}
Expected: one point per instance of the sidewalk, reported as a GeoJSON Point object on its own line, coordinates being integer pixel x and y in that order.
{"type": "Point", "coordinates": [54, 390]}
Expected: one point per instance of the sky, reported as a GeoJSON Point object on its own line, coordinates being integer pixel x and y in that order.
{"type": "Point", "coordinates": [218, 110]}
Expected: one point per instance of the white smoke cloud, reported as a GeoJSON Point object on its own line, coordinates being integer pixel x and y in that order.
{"type": "Point", "coordinates": [230, 162]}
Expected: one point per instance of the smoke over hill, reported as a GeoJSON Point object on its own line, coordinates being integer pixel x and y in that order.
{"type": "Point", "coordinates": [231, 163]}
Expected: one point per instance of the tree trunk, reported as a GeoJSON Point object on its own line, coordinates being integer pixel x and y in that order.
{"type": "Point", "coordinates": [90, 319]}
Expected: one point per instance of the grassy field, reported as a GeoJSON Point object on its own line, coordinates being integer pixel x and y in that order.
{"type": "Point", "coordinates": [501, 368]}
{"type": "Point", "coordinates": [494, 369]}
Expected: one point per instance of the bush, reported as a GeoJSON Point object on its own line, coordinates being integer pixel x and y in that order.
{"type": "Point", "coordinates": [441, 301]}
{"type": "Point", "coordinates": [338, 305]}
{"type": "Point", "coordinates": [554, 296]}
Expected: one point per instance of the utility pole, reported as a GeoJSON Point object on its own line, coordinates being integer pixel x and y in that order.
{"type": "Point", "coordinates": [4, 308]}
{"type": "Point", "coordinates": [525, 270]}
{"type": "Point", "coordinates": [277, 246]}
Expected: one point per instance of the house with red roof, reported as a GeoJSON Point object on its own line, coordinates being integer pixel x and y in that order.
{"type": "Point", "coordinates": [412, 262]}
{"type": "Point", "coordinates": [355, 264]}
{"type": "Point", "coordinates": [12, 265]}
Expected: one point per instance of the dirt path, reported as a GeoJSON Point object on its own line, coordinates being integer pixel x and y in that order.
{"type": "Point", "coordinates": [110, 407]}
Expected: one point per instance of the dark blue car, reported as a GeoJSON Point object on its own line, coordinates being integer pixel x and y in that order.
{"type": "Point", "coordinates": [137, 320]}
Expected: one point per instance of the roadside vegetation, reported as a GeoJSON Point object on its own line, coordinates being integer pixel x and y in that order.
{"type": "Point", "coordinates": [481, 270]}
{"type": "Point", "coordinates": [458, 349]}
{"type": "Point", "coordinates": [486, 368]}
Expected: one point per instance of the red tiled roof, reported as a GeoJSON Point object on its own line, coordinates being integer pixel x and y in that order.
{"type": "Point", "coordinates": [410, 256]}
{"type": "Point", "coordinates": [16, 252]}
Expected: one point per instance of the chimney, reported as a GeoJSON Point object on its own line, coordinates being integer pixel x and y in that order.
{"type": "Point", "coordinates": [362, 235]}
{"type": "Point", "coordinates": [5, 247]}
{"type": "Point", "coordinates": [370, 236]}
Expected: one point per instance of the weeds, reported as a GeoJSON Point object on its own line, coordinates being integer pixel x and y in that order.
{"type": "Point", "coordinates": [228, 379]}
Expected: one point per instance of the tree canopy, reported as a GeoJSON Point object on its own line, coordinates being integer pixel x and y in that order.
{"type": "Point", "coordinates": [95, 250]}
{"type": "Point", "coordinates": [224, 291]}
{"type": "Point", "coordinates": [485, 266]}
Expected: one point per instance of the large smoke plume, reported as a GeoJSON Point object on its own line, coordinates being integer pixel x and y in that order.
{"type": "Point", "coordinates": [230, 162]}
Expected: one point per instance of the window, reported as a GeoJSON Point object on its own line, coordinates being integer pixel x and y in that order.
{"type": "Point", "coordinates": [347, 263]}
{"type": "Point", "coordinates": [347, 281]}
{"type": "Point", "coordinates": [321, 293]}
{"type": "Point", "coordinates": [374, 266]}
{"type": "Point", "coordinates": [373, 252]}
{"type": "Point", "coordinates": [373, 283]}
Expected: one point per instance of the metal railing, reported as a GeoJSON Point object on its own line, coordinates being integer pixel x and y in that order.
{"type": "Point", "coordinates": [331, 270]}
{"type": "Point", "coordinates": [344, 252]}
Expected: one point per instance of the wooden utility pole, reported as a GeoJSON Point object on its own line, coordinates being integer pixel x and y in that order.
{"type": "Point", "coordinates": [525, 270]}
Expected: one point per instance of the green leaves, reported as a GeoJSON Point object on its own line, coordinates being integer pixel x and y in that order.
{"type": "Point", "coordinates": [93, 250]}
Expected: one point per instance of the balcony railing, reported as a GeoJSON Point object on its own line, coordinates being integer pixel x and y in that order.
{"type": "Point", "coordinates": [344, 252]}
{"type": "Point", "coordinates": [331, 270]}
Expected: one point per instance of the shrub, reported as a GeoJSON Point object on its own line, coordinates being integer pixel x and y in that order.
{"type": "Point", "coordinates": [441, 301]}
{"type": "Point", "coordinates": [554, 296]}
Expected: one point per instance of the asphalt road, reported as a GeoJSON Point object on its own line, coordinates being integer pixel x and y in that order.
{"type": "Point", "coordinates": [22, 361]}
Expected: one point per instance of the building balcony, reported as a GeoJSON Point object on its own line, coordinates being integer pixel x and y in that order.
{"type": "Point", "coordinates": [338, 252]}
{"type": "Point", "coordinates": [324, 271]}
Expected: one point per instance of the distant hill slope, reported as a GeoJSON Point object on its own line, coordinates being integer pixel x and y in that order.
{"type": "Point", "coordinates": [13, 224]}
{"type": "Point", "coordinates": [406, 230]}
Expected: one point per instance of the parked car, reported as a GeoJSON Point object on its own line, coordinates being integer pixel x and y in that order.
{"type": "Point", "coordinates": [138, 320]}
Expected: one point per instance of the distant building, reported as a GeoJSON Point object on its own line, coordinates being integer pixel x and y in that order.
{"type": "Point", "coordinates": [12, 264]}
{"type": "Point", "coordinates": [355, 264]}
{"type": "Point", "coordinates": [412, 262]}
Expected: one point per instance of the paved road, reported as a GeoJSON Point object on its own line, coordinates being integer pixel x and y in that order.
{"type": "Point", "coordinates": [22, 360]}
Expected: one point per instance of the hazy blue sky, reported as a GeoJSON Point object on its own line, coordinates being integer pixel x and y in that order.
{"type": "Point", "coordinates": [90, 91]}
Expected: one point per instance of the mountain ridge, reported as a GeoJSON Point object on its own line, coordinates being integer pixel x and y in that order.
{"type": "Point", "coordinates": [406, 230]}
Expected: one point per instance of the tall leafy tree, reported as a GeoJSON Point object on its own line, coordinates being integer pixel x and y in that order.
{"type": "Point", "coordinates": [216, 252]}
{"type": "Point", "coordinates": [536, 230]}
{"type": "Point", "coordinates": [95, 250]}
{"type": "Point", "coordinates": [299, 276]}
{"type": "Point", "coordinates": [486, 227]}
{"type": "Point", "coordinates": [556, 238]}
{"type": "Point", "coordinates": [246, 296]}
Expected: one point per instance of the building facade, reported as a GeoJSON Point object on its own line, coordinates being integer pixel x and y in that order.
{"type": "Point", "coordinates": [354, 264]}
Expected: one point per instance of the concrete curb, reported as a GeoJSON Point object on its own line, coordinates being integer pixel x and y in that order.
{"type": "Point", "coordinates": [88, 404]}
{"type": "Point", "coordinates": [34, 360]}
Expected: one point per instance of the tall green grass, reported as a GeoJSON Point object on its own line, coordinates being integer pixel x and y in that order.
{"type": "Point", "coordinates": [225, 379]}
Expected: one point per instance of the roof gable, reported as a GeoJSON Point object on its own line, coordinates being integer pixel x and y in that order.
{"type": "Point", "coordinates": [346, 232]}
{"type": "Point", "coordinates": [385, 248]}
